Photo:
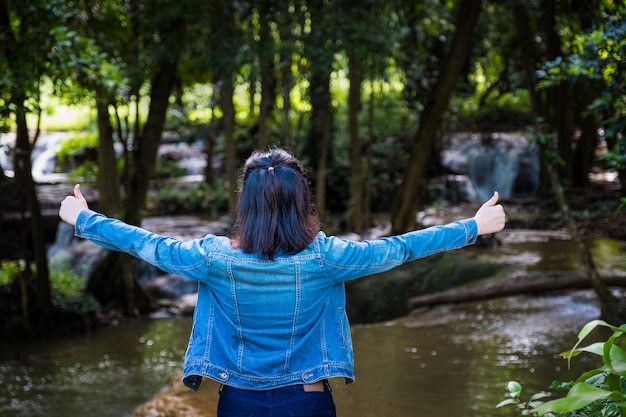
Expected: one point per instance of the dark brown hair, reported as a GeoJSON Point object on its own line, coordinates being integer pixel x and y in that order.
{"type": "Point", "coordinates": [275, 209]}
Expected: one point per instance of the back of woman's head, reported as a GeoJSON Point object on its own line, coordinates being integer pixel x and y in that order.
{"type": "Point", "coordinates": [275, 210]}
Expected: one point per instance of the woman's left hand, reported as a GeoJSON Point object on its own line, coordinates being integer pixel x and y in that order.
{"type": "Point", "coordinates": [71, 206]}
{"type": "Point", "coordinates": [490, 218]}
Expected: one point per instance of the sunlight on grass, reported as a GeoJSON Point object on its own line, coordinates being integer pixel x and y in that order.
{"type": "Point", "coordinates": [61, 117]}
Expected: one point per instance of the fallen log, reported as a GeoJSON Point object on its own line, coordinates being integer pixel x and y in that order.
{"type": "Point", "coordinates": [527, 284]}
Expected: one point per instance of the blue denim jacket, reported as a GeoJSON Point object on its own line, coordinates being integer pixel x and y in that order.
{"type": "Point", "coordinates": [262, 324]}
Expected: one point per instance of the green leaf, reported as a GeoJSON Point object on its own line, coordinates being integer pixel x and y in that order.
{"type": "Point", "coordinates": [596, 348]}
{"type": "Point", "coordinates": [539, 396]}
{"type": "Point", "coordinates": [514, 387]}
{"type": "Point", "coordinates": [586, 330]}
{"type": "Point", "coordinates": [508, 401]}
{"type": "Point", "coordinates": [581, 395]}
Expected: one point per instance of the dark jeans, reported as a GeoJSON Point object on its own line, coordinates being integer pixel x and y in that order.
{"type": "Point", "coordinates": [290, 401]}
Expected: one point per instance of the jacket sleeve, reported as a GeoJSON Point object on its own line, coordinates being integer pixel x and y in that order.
{"type": "Point", "coordinates": [166, 253]}
{"type": "Point", "coordinates": [347, 259]}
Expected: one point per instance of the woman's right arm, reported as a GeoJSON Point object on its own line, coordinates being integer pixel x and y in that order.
{"type": "Point", "coordinates": [166, 253]}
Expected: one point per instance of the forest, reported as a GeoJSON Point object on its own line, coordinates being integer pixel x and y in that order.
{"type": "Point", "coordinates": [363, 92]}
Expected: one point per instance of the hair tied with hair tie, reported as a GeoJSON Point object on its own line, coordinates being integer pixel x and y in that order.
{"type": "Point", "coordinates": [270, 169]}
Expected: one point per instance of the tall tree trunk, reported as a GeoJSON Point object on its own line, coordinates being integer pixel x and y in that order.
{"type": "Point", "coordinates": [586, 90]}
{"type": "Point", "coordinates": [268, 79]}
{"type": "Point", "coordinates": [525, 40]}
{"type": "Point", "coordinates": [108, 175]}
{"type": "Point", "coordinates": [34, 232]}
{"type": "Point", "coordinates": [560, 103]}
{"type": "Point", "coordinates": [286, 84]}
{"type": "Point", "coordinates": [404, 212]}
{"type": "Point", "coordinates": [228, 111]}
{"type": "Point", "coordinates": [321, 105]}
{"type": "Point", "coordinates": [355, 210]}
{"type": "Point", "coordinates": [149, 141]}
{"type": "Point", "coordinates": [113, 282]}
{"type": "Point", "coordinates": [321, 114]}
{"type": "Point", "coordinates": [369, 168]}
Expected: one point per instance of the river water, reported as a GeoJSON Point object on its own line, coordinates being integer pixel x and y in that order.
{"type": "Point", "coordinates": [447, 361]}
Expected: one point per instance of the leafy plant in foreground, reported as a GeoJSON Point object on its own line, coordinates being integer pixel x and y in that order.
{"type": "Point", "coordinates": [599, 392]}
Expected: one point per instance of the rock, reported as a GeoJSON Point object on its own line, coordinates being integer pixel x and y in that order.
{"type": "Point", "coordinates": [176, 400]}
{"type": "Point", "coordinates": [170, 286]}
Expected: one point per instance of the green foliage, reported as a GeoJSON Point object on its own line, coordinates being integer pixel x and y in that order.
{"type": "Point", "coordinates": [67, 287]}
{"type": "Point", "coordinates": [601, 59]}
{"type": "Point", "coordinates": [189, 198]}
{"type": "Point", "coordinates": [167, 168]}
{"type": "Point", "coordinates": [77, 156]}
{"type": "Point", "coordinates": [546, 142]}
{"type": "Point", "coordinates": [9, 270]}
{"type": "Point", "coordinates": [598, 392]}
{"type": "Point", "coordinates": [507, 111]}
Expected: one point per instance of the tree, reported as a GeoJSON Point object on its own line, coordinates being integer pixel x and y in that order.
{"type": "Point", "coordinates": [403, 216]}
{"type": "Point", "coordinates": [29, 42]}
{"type": "Point", "coordinates": [318, 50]}
{"type": "Point", "coordinates": [149, 47]}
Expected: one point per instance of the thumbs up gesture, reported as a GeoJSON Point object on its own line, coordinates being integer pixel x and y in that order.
{"type": "Point", "coordinates": [490, 217]}
{"type": "Point", "coordinates": [71, 206]}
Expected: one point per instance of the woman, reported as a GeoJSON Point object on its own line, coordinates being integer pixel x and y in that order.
{"type": "Point", "coordinates": [270, 324]}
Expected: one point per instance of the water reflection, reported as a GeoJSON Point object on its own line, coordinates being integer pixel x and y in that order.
{"type": "Point", "coordinates": [108, 372]}
{"type": "Point", "coordinates": [553, 250]}
{"type": "Point", "coordinates": [455, 361]}
{"type": "Point", "coordinates": [452, 360]}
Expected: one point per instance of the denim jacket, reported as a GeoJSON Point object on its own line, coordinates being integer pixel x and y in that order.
{"type": "Point", "coordinates": [262, 324]}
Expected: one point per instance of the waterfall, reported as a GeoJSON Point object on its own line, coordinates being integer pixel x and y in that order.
{"type": "Point", "coordinates": [63, 238]}
{"type": "Point", "coordinates": [503, 162]}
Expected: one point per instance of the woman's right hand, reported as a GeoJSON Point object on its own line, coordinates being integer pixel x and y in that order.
{"type": "Point", "coordinates": [71, 206]}
{"type": "Point", "coordinates": [490, 217]}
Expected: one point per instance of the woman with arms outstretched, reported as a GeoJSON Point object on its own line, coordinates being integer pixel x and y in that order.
{"type": "Point", "coordinates": [270, 323]}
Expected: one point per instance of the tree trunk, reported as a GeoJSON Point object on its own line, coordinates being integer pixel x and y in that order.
{"type": "Point", "coordinates": [403, 217]}
{"type": "Point", "coordinates": [525, 39]}
{"type": "Point", "coordinates": [321, 105]}
{"type": "Point", "coordinates": [321, 114]}
{"type": "Point", "coordinates": [287, 83]}
{"type": "Point", "coordinates": [149, 141]}
{"type": "Point", "coordinates": [369, 169]}
{"type": "Point", "coordinates": [268, 80]}
{"type": "Point", "coordinates": [108, 175]}
{"type": "Point", "coordinates": [113, 281]}
{"type": "Point", "coordinates": [560, 106]}
{"type": "Point", "coordinates": [531, 284]}
{"type": "Point", "coordinates": [34, 236]}
{"type": "Point", "coordinates": [355, 211]}
{"type": "Point", "coordinates": [228, 111]}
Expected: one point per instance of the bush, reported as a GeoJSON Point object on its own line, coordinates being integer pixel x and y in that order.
{"type": "Point", "coordinates": [68, 294]}
{"type": "Point", "coordinates": [77, 155]}
{"type": "Point", "coordinates": [599, 392]}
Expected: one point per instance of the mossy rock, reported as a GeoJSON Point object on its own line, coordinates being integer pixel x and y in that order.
{"type": "Point", "coordinates": [385, 296]}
